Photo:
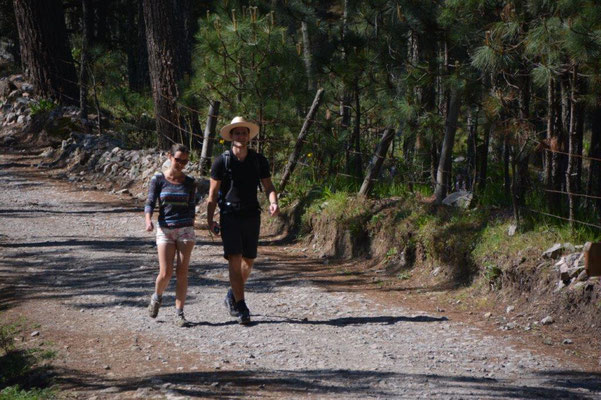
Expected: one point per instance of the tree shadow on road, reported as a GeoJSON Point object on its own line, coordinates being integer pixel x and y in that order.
{"type": "Point", "coordinates": [331, 382]}
{"type": "Point", "coordinates": [347, 321]}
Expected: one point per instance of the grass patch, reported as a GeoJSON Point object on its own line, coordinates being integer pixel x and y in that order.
{"type": "Point", "coordinates": [15, 392]}
{"type": "Point", "coordinates": [22, 370]}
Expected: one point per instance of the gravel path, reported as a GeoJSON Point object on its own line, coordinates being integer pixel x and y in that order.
{"type": "Point", "coordinates": [80, 265]}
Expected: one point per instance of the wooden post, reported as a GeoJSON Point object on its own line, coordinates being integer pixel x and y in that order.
{"type": "Point", "coordinates": [209, 135]}
{"type": "Point", "coordinates": [292, 160]}
{"type": "Point", "coordinates": [376, 162]}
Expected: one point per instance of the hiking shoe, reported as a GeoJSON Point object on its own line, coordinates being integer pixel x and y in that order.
{"type": "Point", "coordinates": [153, 307]}
{"type": "Point", "coordinates": [180, 320]}
{"type": "Point", "coordinates": [230, 303]}
{"type": "Point", "coordinates": [242, 313]}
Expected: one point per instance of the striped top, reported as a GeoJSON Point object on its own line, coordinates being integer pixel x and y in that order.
{"type": "Point", "coordinates": [176, 201]}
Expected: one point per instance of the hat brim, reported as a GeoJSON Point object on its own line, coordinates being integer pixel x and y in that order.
{"type": "Point", "coordinates": [225, 132]}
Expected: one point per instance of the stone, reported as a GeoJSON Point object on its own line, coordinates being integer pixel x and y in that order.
{"type": "Point", "coordinates": [460, 199]}
{"type": "Point", "coordinates": [488, 315]}
{"type": "Point", "coordinates": [582, 276]}
{"type": "Point", "coordinates": [509, 309]}
{"type": "Point", "coordinates": [6, 86]}
{"type": "Point", "coordinates": [567, 341]}
{"type": "Point", "coordinates": [35, 333]}
{"type": "Point", "coordinates": [553, 251]}
{"type": "Point", "coordinates": [548, 320]}
{"type": "Point", "coordinates": [511, 230]}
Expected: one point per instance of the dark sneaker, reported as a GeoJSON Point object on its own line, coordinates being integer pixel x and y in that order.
{"type": "Point", "coordinates": [153, 307]}
{"type": "Point", "coordinates": [242, 313]}
{"type": "Point", "coordinates": [180, 320]}
{"type": "Point", "coordinates": [230, 303]}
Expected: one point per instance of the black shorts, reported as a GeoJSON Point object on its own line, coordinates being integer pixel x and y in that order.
{"type": "Point", "coordinates": [240, 234]}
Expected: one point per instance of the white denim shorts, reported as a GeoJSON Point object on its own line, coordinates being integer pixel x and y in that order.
{"type": "Point", "coordinates": [173, 236]}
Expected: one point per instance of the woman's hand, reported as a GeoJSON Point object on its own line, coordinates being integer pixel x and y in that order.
{"type": "Point", "coordinates": [149, 226]}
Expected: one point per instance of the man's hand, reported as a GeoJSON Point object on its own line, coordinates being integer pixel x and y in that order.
{"type": "Point", "coordinates": [214, 228]}
{"type": "Point", "coordinates": [149, 226]}
{"type": "Point", "coordinates": [274, 209]}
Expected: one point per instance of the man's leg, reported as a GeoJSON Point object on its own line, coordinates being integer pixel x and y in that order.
{"type": "Point", "coordinates": [247, 265]}
{"type": "Point", "coordinates": [236, 276]}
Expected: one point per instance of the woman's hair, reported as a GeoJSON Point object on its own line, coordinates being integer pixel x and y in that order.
{"type": "Point", "coordinates": [178, 147]}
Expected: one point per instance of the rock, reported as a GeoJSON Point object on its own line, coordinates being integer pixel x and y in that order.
{"type": "Point", "coordinates": [509, 309]}
{"type": "Point", "coordinates": [6, 86]}
{"type": "Point", "coordinates": [460, 199]}
{"type": "Point", "coordinates": [582, 276]}
{"type": "Point", "coordinates": [548, 320]}
{"type": "Point", "coordinates": [11, 117]}
{"type": "Point", "coordinates": [567, 341]}
{"type": "Point", "coordinates": [123, 191]}
{"type": "Point", "coordinates": [560, 285]}
{"type": "Point", "coordinates": [548, 341]}
{"type": "Point", "coordinates": [553, 251]}
{"type": "Point", "coordinates": [35, 333]}
{"type": "Point", "coordinates": [512, 229]}
{"type": "Point", "coordinates": [107, 367]}
{"type": "Point", "coordinates": [488, 315]}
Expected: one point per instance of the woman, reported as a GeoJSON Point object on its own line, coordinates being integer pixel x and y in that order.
{"type": "Point", "coordinates": [175, 233]}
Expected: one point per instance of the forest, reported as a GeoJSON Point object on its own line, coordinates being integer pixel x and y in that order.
{"type": "Point", "coordinates": [498, 98]}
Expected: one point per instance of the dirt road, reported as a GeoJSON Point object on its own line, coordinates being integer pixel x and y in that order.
{"type": "Point", "coordinates": [80, 266]}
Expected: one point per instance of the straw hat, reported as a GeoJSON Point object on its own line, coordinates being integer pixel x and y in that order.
{"type": "Point", "coordinates": [239, 122]}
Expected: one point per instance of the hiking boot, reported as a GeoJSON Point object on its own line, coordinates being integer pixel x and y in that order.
{"type": "Point", "coordinates": [180, 320]}
{"type": "Point", "coordinates": [230, 303]}
{"type": "Point", "coordinates": [242, 313]}
{"type": "Point", "coordinates": [153, 307]}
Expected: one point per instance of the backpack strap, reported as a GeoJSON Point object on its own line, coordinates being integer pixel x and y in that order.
{"type": "Point", "coordinates": [227, 158]}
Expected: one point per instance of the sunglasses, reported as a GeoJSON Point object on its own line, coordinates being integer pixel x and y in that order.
{"type": "Point", "coordinates": [181, 161]}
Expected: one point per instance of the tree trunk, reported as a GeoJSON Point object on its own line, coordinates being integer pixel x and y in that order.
{"type": "Point", "coordinates": [209, 138]}
{"type": "Point", "coordinates": [572, 150]}
{"type": "Point", "coordinates": [45, 50]}
{"type": "Point", "coordinates": [446, 154]}
{"type": "Point", "coordinates": [376, 163]}
{"type": "Point", "coordinates": [308, 57]}
{"type": "Point", "coordinates": [593, 187]}
{"type": "Point", "coordinates": [293, 159]}
{"type": "Point", "coordinates": [471, 160]}
{"type": "Point", "coordinates": [83, 72]}
{"type": "Point", "coordinates": [506, 166]}
{"type": "Point", "coordinates": [483, 168]}
{"type": "Point", "coordinates": [354, 162]}
{"type": "Point", "coordinates": [166, 60]}
{"type": "Point", "coordinates": [137, 54]}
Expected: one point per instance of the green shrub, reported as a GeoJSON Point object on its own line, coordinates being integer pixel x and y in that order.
{"type": "Point", "coordinates": [16, 393]}
{"type": "Point", "coordinates": [41, 106]}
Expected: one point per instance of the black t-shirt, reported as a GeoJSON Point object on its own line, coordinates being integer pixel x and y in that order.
{"type": "Point", "coordinates": [241, 197]}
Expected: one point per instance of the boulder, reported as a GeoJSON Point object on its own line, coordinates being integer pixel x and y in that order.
{"type": "Point", "coordinates": [554, 251]}
{"type": "Point", "coordinates": [461, 199]}
{"type": "Point", "coordinates": [6, 87]}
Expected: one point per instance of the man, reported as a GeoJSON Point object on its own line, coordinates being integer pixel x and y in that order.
{"type": "Point", "coordinates": [236, 175]}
